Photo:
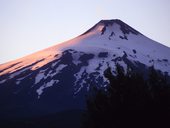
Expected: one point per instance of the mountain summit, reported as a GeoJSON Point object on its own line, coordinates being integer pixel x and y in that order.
{"type": "Point", "coordinates": [58, 78]}
{"type": "Point", "coordinates": [103, 25]}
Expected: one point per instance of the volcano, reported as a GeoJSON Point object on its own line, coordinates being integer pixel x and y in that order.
{"type": "Point", "coordinates": [58, 78]}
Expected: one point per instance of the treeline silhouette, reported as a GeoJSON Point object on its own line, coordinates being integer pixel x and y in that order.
{"type": "Point", "coordinates": [130, 101]}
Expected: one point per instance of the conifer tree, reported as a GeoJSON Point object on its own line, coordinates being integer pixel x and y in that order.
{"type": "Point", "coordinates": [130, 101]}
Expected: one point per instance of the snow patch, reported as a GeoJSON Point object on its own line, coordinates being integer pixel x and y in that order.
{"type": "Point", "coordinates": [2, 81]}
{"type": "Point", "coordinates": [39, 77]}
{"type": "Point", "coordinates": [47, 85]}
{"type": "Point", "coordinates": [18, 82]}
{"type": "Point", "coordinates": [17, 73]}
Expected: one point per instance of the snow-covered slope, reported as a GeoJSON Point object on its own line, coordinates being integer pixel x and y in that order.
{"type": "Point", "coordinates": [63, 73]}
{"type": "Point", "coordinates": [104, 36]}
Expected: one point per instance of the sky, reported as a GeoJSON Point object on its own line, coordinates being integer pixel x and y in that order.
{"type": "Point", "coordinates": [27, 26]}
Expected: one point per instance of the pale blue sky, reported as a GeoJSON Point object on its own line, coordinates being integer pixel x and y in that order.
{"type": "Point", "coordinates": [27, 26]}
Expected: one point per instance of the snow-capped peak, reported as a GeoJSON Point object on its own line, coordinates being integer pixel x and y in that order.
{"type": "Point", "coordinates": [106, 35]}
{"type": "Point", "coordinates": [59, 73]}
{"type": "Point", "coordinates": [113, 26]}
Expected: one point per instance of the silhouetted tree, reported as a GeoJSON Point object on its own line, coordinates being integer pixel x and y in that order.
{"type": "Point", "coordinates": [130, 101]}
